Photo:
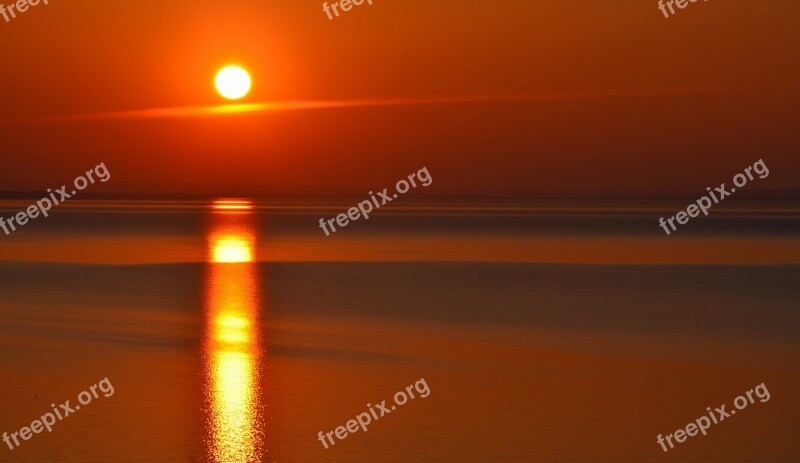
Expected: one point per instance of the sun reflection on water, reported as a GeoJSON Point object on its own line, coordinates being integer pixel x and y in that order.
{"type": "Point", "coordinates": [232, 343]}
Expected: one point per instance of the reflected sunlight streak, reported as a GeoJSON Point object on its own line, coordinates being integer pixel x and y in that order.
{"type": "Point", "coordinates": [232, 344]}
{"type": "Point", "coordinates": [231, 250]}
{"type": "Point", "coordinates": [231, 205]}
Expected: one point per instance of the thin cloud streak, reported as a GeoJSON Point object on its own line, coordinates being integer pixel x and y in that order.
{"type": "Point", "coordinates": [189, 112]}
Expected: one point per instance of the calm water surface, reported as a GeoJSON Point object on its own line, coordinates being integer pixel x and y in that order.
{"type": "Point", "coordinates": [557, 332]}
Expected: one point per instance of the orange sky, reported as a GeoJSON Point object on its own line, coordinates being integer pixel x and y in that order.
{"type": "Point", "coordinates": [635, 104]}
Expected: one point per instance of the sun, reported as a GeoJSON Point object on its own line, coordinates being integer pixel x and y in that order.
{"type": "Point", "coordinates": [232, 82]}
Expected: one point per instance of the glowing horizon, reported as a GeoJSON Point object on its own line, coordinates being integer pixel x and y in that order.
{"type": "Point", "coordinates": [232, 204]}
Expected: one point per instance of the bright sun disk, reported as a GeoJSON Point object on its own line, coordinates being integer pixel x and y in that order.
{"type": "Point", "coordinates": [232, 82]}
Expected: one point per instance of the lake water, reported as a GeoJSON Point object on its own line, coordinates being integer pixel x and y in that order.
{"type": "Point", "coordinates": [548, 331]}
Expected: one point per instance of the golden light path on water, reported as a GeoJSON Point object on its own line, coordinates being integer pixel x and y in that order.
{"type": "Point", "coordinates": [232, 343]}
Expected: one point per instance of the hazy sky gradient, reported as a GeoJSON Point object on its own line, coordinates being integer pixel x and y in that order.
{"type": "Point", "coordinates": [97, 56]}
